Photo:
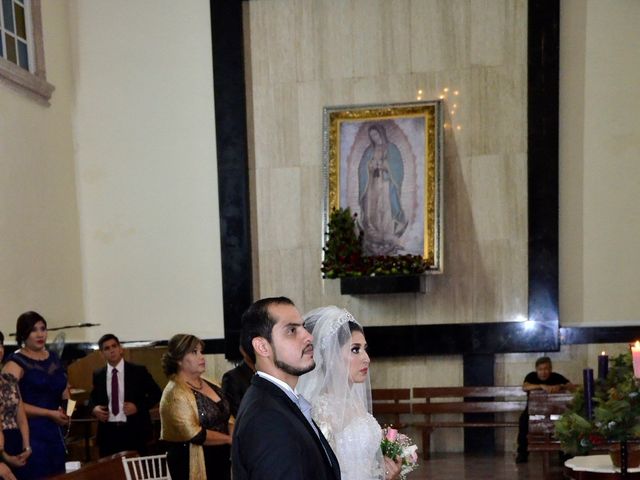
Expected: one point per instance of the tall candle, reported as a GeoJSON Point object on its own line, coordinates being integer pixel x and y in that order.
{"type": "Point", "coordinates": [603, 365]}
{"type": "Point", "coordinates": [635, 352]}
{"type": "Point", "coordinates": [587, 377]}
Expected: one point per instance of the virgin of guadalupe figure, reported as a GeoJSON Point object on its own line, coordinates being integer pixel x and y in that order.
{"type": "Point", "coordinates": [380, 176]}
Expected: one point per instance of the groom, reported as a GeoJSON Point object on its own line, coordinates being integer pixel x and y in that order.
{"type": "Point", "coordinates": [274, 436]}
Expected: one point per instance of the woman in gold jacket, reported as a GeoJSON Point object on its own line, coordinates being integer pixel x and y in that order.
{"type": "Point", "coordinates": [194, 414]}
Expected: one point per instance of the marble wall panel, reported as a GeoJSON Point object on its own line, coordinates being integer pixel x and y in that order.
{"type": "Point", "coordinates": [487, 35]}
{"type": "Point", "coordinates": [310, 123]}
{"type": "Point", "coordinates": [440, 34]}
{"type": "Point", "coordinates": [274, 22]}
{"type": "Point", "coordinates": [335, 23]}
{"type": "Point", "coordinates": [311, 191]}
{"type": "Point", "coordinates": [279, 209]}
{"type": "Point", "coordinates": [307, 41]}
{"type": "Point", "coordinates": [498, 109]}
{"type": "Point", "coordinates": [282, 273]}
{"type": "Point", "coordinates": [368, 16]}
{"type": "Point", "coordinates": [337, 92]}
{"type": "Point", "coordinates": [275, 124]}
{"type": "Point", "coordinates": [396, 48]}
{"type": "Point", "coordinates": [491, 181]}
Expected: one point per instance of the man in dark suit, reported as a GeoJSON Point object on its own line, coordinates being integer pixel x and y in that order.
{"type": "Point", "coordinates": [122, 395]}
{"type": "Point", "coordinates": [274, 436]}
{"type": "Point", "coordinates": [236, 381]}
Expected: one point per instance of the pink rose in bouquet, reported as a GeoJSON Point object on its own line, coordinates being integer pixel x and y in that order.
{"type": "Point", "coordinates": [391, 435]}
{"type": "Point", "coordinates": [395, 444]}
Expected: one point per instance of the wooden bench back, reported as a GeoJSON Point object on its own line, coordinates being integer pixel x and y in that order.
{"type": "Point", "coordinates": [463, 400]}
{"type": "Point", "coordinates": [390, 403]}
{"type": "Point", "coordinates": [545, 409]}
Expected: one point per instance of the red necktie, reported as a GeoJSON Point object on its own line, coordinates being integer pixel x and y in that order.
{"type": "Point", "coordinates": [115, 404]}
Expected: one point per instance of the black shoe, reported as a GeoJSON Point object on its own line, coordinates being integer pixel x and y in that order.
{"type": "Point", "coordinates": [522, 458]}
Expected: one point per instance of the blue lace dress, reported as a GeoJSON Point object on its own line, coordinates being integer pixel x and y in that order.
{"type": "Point", "coordinates": [42, 385]}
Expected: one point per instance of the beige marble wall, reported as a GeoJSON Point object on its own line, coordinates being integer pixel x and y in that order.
{"type": "Point", "coordinates": [305, 55]}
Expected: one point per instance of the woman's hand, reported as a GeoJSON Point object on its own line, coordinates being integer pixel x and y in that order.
{"type": "Point", "coordinates": [59, 417]}
{"type": "Point", "coordinates": [392, 468]}
{"type": "Point", "coordinates": [14, 460]}
{"type": "Point", "coordinates": [26, 453]}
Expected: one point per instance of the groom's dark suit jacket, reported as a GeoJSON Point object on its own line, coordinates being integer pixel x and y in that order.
{"type": "Point", "coordinates": [139, 388]}
{"type": "Point", "coordinates": [273, 440]}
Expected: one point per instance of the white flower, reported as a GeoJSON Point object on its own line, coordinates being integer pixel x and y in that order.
{"type": "Point", "coordinates": [409, 451]}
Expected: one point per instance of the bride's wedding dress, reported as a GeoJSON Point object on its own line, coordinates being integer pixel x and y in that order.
{"type": "Point", "coordinates": [356, 443]}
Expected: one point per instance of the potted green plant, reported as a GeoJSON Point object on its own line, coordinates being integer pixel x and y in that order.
{"type": "Point", "coordinates": [358, 273]}
{"type": "Point", "coordinates": [616, 417]}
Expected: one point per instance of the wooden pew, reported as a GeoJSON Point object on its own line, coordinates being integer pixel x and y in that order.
{"type": "Point", "coordinates": [105, 468]}
{"type": "Point", "coordinates": [544, 411]}
{"type": "Point", "coordinates": [433, 401]}
{"type": "Point", "coordinates": [390, 403]}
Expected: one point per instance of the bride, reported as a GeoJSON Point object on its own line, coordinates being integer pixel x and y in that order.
{"type": "Point", "coordinates": [339, 391]}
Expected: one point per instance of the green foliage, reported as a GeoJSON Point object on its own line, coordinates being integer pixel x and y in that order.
{"type": "Point", "coordinates": [616, 414]}
{"type": "Point", "coordinates": [343, 255]}
{"type": "Point", "coordinates": [391, 449]}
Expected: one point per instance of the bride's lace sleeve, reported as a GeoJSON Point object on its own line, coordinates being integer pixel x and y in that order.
{"type": "Point", "coordinates": [323, 418]}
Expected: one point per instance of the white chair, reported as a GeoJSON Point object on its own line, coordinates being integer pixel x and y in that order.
{"type": "Point", "coordinates": [153, 467]}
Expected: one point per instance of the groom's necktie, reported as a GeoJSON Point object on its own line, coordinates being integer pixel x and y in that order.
{"type": "Point", "coordinates": [305, 408]}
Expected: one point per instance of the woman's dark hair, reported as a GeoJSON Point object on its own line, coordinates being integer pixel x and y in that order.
{"type": "Point", "coordinates": [1, 338]}
{"type": "Point", "coordinates": [256, 322]}
{"type": "Point", "coordinates": [342, 333]}
{"type": "Point", "coordinates": [25, 324]}
{"type": "Point", "coordinates": [179, 345]}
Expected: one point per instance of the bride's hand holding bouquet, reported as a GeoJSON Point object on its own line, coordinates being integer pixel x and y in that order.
{"type": "Point", "coordinates": [400, 447]}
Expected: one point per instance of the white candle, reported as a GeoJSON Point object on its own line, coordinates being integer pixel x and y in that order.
{"type": "Point", "coordinates": [635, 352]}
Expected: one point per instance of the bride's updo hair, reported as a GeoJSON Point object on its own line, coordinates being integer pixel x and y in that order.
{"type": "Point", "coordinates": [179, 345]}
{"type": "Point", "coordinates": [343, 337]}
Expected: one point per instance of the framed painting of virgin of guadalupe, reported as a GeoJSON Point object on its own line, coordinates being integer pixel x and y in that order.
{"type": "Point", "coordinates": [384, 163]}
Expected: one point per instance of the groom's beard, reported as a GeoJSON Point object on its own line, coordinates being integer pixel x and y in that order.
{"type": "Point", "coordinates": [290, 369]}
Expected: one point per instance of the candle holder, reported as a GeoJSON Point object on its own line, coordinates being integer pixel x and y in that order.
{"type": "Point", "coordinates": [613, 423]}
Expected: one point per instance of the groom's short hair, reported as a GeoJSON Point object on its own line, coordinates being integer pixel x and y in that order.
{"type": "Point", "coordinates": [257, 322]}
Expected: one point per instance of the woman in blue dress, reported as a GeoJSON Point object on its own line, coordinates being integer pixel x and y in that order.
{"type": "Point", "coordinates": [43, 387]}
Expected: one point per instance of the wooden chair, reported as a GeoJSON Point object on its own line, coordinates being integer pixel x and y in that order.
{"type": "Point", "coordinates": [152, 467]}
{"type": "Point", "coordinates": [390, 403]}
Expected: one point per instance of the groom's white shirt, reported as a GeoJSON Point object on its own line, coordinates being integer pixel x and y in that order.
{"type": "Point", "coordinates": [279, 383]}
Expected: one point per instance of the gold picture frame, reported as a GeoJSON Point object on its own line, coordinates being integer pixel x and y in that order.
{"type": "Point", "coordinates": [384, 162]}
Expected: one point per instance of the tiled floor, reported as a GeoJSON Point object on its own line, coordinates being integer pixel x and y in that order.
{"type": "Point", "coordinates": [457, 466]}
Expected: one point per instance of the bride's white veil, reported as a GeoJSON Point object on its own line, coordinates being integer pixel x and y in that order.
{"type": "Point", "coordinates": [331, 345]}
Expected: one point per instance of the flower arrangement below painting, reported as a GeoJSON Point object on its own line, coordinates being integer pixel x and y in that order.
{"type": "Point", "coordinates": [343, 255]}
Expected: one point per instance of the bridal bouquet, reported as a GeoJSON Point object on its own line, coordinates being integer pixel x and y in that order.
{"type": "Point", "coordinates": [395, 444]}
